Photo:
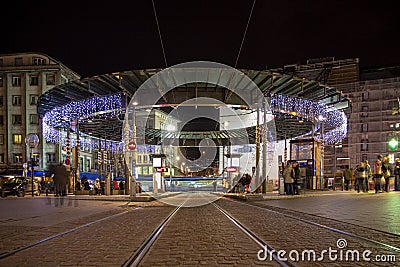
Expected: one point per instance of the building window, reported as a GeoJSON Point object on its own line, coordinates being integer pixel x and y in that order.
{"type": "Point", "coordinates": [18, 61]}
{"type": "Point", "coordinates": [364, 147]}
{"type": "Point", "coordinates": [1, 139]}
{"type": "Point", "coordinates": [88, 164]}
{"type": "Point", "coordinates": [34, 119]}
{"type": "Point", "coordinates": [364, 96]}
{"type": "Point", "coordinates": [364, 127]}
{"type": "Point", "coordinates": [1, 62]}
{"type": "Point", "coordinates": [17, 119]}
{"type": "Point", "coordinates": [34, 80]}
{"type": "Point", "coordinates": [16, 80]}
{"type": "Point", "coordinates": [51, 157]}
{"type": "Point", "coordinates": [139, 159]}
{"type": "Point", "coordinates": [2, 158]}
{"type": "Point", "coordinates": [1, 80]}
{"type": "Point", "coordinates": [1, 101]}
{"type": "Point", "coordinates": [33, 99]}
{"type": "Point", "coordinates": [1, 120]}
{"type": "Point", "coordinates": [38, 61]}
{"type": "Point", "coordinates": [50, 79]}
{"type": "Point", "coordinates": [17, 100]}
{"type": "Point", "coordinates": [145, 159]}
{"type": "Point", "coordinates": [17, 139]}
{"type": "Point", "coordinates": [17, 157]}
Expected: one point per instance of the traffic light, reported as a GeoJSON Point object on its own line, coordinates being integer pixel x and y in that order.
{"type": "Point", "coordinates": [393, 143]}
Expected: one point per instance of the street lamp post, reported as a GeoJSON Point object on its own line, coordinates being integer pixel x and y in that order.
{"type": "Point", "coordinates": [32, 141]}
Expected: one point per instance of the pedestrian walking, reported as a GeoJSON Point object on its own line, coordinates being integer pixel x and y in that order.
{"type": "Point", "coordinates": [378, 174]}
{"type": "Point", "coordinates": [386, 171]}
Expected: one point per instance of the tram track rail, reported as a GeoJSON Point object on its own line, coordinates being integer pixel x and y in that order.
{"type": "Point", "coordinates": [140, 253]}
{"type": "Point", "coordinates": [254, 237]}
{"type": "Point", "coordinates": [296, 215]}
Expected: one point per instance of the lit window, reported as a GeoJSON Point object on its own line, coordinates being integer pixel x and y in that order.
{"type": "Point", "coordinates": [364, 127]}
{"type": "Point", "coordinates": [34, 119]}
{"type": "Point", "coordinates": [36, 157]}
{"type": "Point", "coordinates": [17, 138]}
{"type": "Point", "coordinates": [33, 99]}
{"type": "Point", "coordinates": [51, 157]}
{"type": "Point", "coordinates": [50, 79]}
{"type": "Point", "coordinates": [38, 61]}
{"type": "Point", "coordinates": [17, 158]}
{"type": "Point", "coordinates": [17, 100]}
{"type": "Point", "coordinates": [16, 80]}
{"type": "Point", "coordinates": [17, 119]}
{"type": "Point", "coordinates": [34, 80]}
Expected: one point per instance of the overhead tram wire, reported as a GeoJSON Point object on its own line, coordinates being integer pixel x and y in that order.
{"type": "Point", "coordinates": [241, 45]}
{"type": "Point", "coordinates": [245, 32]}
{"type": "Point", "coordinates": [159, 34]}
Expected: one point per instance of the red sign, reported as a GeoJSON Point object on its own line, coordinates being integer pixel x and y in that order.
{"type": "Point", "coordinates": [230, 169]}
{"type": "Point", "coordinates": [67, 161]}
{"type": "Point", "coordinates": [162, 169]}
{"type": "Point", "coordinates": [132, 145]}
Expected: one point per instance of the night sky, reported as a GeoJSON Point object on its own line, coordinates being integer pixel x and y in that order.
{"type": "Point", "coordinates": [97, 37]}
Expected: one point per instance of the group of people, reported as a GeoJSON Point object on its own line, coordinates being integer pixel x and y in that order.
{"type": "Point", "coordinates": [381, 173]}
{"type": "Point", "coordinates": [99, 186]}
{"type": "Point", "coordinates": [291, 176]}
{"type": "Point", "coordinates": [240, 186]}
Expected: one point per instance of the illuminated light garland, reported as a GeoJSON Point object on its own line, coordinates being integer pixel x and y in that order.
{"type": "Point", "coordinates": [335, 121]}
{"type": "Point", "coordinates": [60, 117]}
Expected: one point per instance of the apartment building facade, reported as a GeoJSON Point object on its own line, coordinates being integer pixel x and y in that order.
{"type": "Point", "coordinates": [23, 78]}
{"type": "Point", "coordinates": [373, 116]}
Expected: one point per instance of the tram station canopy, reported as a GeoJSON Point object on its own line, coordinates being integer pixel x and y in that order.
{"type": "Point", "coordinates": [128, 82]}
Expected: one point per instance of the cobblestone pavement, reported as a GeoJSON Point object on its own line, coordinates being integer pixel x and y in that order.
{"type": "Point", "coordinates": [197, 235]}
{"type": "Point", "coordinates": [379, 211]}
{"type": "Point", "coordinates": [107, 243]}
{"type": "Point", "coordinates": [203, 236]}
{"type": "Point", "coordinates": [291, 234]}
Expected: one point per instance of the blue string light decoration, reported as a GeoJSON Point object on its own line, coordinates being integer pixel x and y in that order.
{"type": "Point", "coordinates": [60, 118]}
{"type": "Point", "coordinates": [335, 121]}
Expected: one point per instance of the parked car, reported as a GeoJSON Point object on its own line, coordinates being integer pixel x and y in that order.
{"type": "Point", "coordinates": [19, 186]}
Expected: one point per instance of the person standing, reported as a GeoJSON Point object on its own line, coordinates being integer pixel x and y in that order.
{"type": "Point", "coordinates": [288, 179]}
{"type": "Point", "coordinates": [296, 174]}
{"type": "Point", "coordinates": [386, 171]}
{"type": "Point", "coordinates": [397, 175]}
{"type": "Point", "coordinates": [96, 187]}
{"type": "Point", "coordinates": [378, 173]}
{"type": "Point", "coordinates": [361, 174]}
{"type": "Point", "coordinates": [348, 176]}
{"type": "Point", "coordinates": [369, 174]}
